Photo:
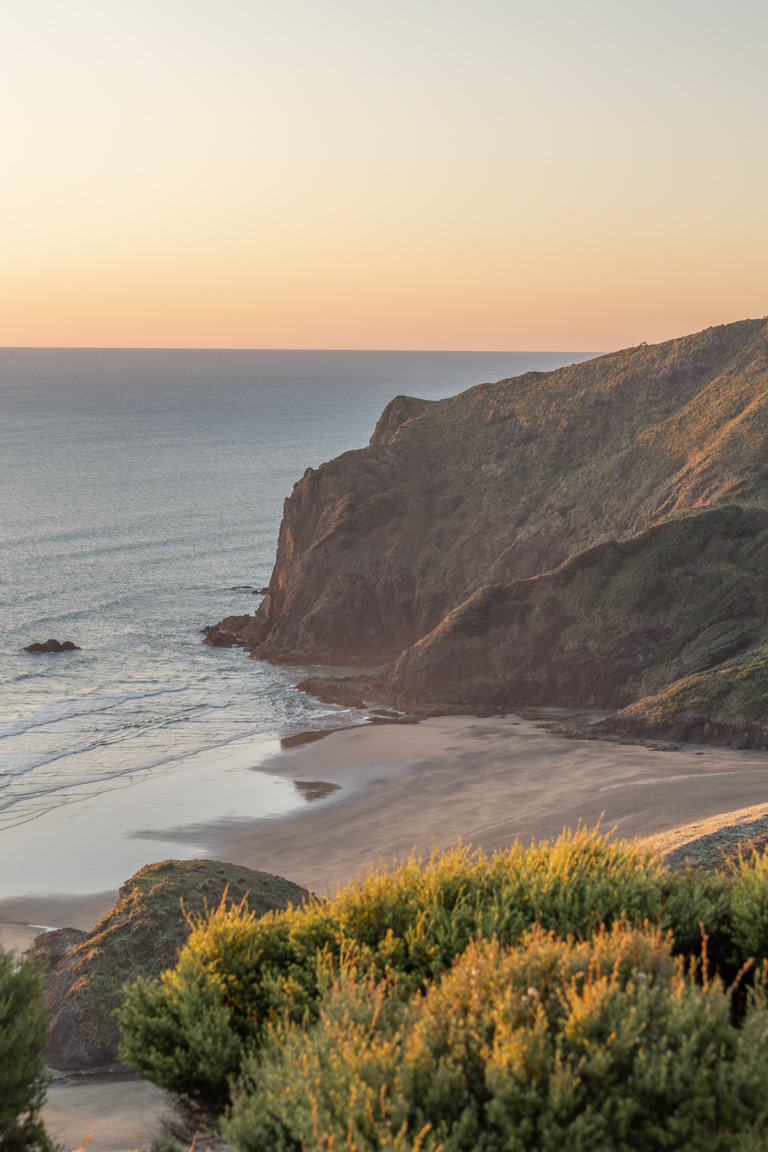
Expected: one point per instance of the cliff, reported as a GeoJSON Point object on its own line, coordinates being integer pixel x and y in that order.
{"type": "Point", "coordinates": [593, 535]}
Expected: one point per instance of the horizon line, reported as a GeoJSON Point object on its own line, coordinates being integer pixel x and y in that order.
{"type": "Point", "coordinates": [244, 348]}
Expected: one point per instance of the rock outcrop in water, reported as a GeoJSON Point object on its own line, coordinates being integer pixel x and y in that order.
{"type": "Point", "coordinates": [52, 646]}
{"type": "Point", "coordinates": [597, 535]}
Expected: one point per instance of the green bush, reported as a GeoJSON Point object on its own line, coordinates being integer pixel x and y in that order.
{"type": "Point", "coordinates": [23, 1027]}
{"type": "Point", "coordinates": [595, 1046]}
{"type": "Point", "coordinates": [749, 906]}
{"type": "Point", "coordinates": [191, 1030]}
{"type": "Point", "coordinates": [195, 1029]}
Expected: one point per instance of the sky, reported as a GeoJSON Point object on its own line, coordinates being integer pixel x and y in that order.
{"type": "Point", "coordinates": [440, 174]}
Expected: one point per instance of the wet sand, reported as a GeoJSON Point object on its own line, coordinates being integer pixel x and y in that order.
{"type": "Point", "coordinates": [23, 917]}
{"type": "Point", "coordinates": [379, 793]}
{"type": "Point", "coordinates": [118, 1115]}
{"type": "Point", "coordinates": [485, 782]}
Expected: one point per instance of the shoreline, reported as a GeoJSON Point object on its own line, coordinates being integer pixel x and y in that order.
{"type": "Point", "coordinates": [487, 782]}
{"type": "Point", "coordinates": [380, 792]}
{"type": "Point", "coordinates": [397, 789]}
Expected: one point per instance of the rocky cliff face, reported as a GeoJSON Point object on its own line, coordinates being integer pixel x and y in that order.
{"type": "Point", "coordinates": [542, 539]}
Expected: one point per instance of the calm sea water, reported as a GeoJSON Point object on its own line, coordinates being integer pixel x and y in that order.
{"type": "Point", "coordinates": [138, 490]}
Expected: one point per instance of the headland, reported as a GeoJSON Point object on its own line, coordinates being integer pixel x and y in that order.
{"type": "Point", "coordinates": [596, 536]}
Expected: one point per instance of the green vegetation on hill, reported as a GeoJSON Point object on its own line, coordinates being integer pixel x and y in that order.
{"type": "Point", "coordinates": [563, 995]}
{"type": "Point", "coordinates": [681, 607]}
{"type": "Point", "coordinates": [596, 534]}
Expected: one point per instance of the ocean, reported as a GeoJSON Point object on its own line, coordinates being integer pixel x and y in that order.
{"type": "Point", "coordinates": [141, 499]}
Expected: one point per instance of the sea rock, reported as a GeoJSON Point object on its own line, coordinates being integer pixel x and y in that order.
{"type": "Point", "coordinates": [591, 536]}
{"type": "Point", "coordinates": [225, 636]}
{"type": "Point", "coordinates": [141, 935]}
{"type": "Point", "coordinates": [52, 646]}
{"type": "Point", "coordinates": [347, 690]}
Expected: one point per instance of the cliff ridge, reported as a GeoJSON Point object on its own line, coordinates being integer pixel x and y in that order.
{"type": "Point", "coordinates": [592, 535]}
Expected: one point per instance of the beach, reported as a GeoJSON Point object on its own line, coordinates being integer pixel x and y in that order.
{"type": "Point", "coordinates": [485, 782]}
{"type": "Point", "coordinates": [321, 808]}
{"type": "Point", "coordinates": [371, 794]}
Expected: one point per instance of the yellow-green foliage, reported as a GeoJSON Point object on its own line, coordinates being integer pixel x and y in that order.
{"type": "Point", "coordinates": [191, 1030]}
{"type": "Point", "coordinates": [749, 904]}
{"type": "Point", "coordinates": [592, 1046]}
{"type": "Point", "coordinates": [567, 995]}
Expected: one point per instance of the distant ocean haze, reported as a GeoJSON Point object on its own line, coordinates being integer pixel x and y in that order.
{"type": "Point", "coordinates": [139, 488]}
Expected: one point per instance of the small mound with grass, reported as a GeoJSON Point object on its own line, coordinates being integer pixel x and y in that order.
{"type": "Point", "coordinates": [142, 935]}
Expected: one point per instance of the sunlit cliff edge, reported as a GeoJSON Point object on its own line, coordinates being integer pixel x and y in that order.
{"type": "Point", "coordinates": [593, 536]}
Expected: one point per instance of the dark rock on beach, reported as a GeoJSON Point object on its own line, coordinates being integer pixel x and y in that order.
{"type": "Point", "coordinates": [53, 646]}
{"type": "Point", "coordinates": [140, 936]}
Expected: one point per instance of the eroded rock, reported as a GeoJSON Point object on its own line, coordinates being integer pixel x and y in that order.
{"type": "Point", "coordinates": [53, 646]}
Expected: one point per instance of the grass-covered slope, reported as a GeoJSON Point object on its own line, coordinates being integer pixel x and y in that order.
{"type": "Point", "coordinates": [593, 535]}
{"type": "Point", "coordinates": [142, 934]}
{"type": "Point", "coordinates": [506, 481]}
{"type": "Point", "coordinates": [560, 996]}
{"type": "Point", "coordinates": [677, 612]}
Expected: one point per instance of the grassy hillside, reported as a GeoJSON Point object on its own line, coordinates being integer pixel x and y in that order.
{"type": "Point", "coordinates": [678, 612]}
{"type": "Point", "coordinates": [593, 535]}
{"type": "Point", "coordinates": [507, 480]}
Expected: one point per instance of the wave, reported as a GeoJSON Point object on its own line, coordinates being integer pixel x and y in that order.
{"type": "Point", "coordinates": [24, 805]}
{"type": "Point", "coordinates": [70, 709]}
{"type": "Point", "coordinates": [305, 717]}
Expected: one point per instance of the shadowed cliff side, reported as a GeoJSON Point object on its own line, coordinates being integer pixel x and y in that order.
{"type": "Point", "coordinates": [590, 535]}
{"type": "Point", "coordinates": [670, 626]}
{"type": "Point", "coordinates": [618, 622]}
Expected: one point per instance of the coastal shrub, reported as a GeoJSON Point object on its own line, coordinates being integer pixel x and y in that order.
{"type": "Point", "coordinates": [191, 1030]}
{"type": "Point", "coordinates": [749, 905]}
{"type": "Point", "coordinates": [598, 1045]}
{"type": "Point", "coordinates": [23, 1026]}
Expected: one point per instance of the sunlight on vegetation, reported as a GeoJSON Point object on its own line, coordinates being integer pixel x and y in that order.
{"type": "Point", "coordinates": [572, 994]}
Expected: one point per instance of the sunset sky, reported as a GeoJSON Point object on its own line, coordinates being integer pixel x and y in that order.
{"type": "Point", "coordinates": [566, 174]}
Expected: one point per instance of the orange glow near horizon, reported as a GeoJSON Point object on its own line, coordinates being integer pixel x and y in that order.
{"type": "Point", "coordinates": [381, 176]}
